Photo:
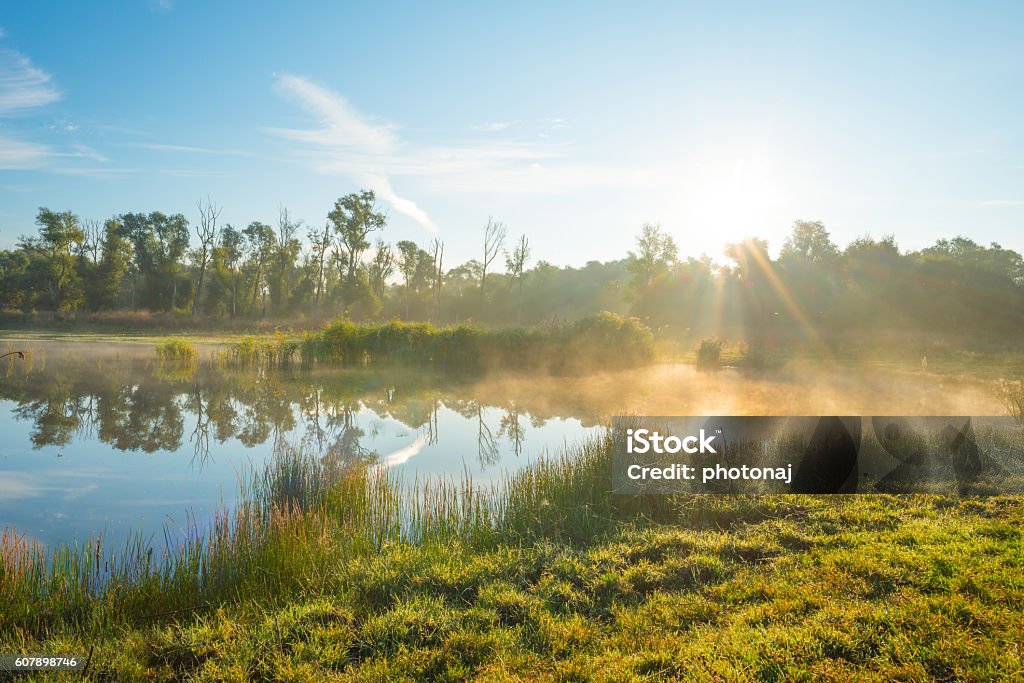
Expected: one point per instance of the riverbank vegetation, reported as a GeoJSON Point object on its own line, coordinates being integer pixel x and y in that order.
{"type": "Point", "coordinates": [140, 271]}
{"type": "Point", "coordinates": [329, 573]}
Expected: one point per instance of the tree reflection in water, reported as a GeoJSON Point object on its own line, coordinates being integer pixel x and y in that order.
{"type": "Point", "coordinates": [141, 405]}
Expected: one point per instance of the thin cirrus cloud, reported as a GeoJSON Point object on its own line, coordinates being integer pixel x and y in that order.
{"type": "Point", "coordinates": [189, 149]}
{"type": "Point", "coordinates": [24, 89]}
{"type": "Point", "coordinates": [22, 85]}
{"type": "Point", "coordinates": [19, 155]}
{"type": "Point", "coordinates": [492, 127]}
{"type": "Point", "coordinates": [1003, 202]}
{"type": "Point", "coordinates": [348, 143]}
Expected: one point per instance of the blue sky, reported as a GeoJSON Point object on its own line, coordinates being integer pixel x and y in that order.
{"type": "Point", "coordinates": [573, 123]}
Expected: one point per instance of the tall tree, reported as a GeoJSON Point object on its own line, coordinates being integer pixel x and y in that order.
{"type": "Point", "coordinates": [437, 258]}
{"type": "Point", "coordinates": [15, 279]}
{"type": "Point", "coordinates": [809, 242]}
{"type": "Point", "coordinates": [286, 255]}
{"type": "Point", "coordinates": [382, 266]}
{"type": "Point", "coordinates": [321, 242]}
{"type": "Point", "coordinates": [354, 218]}
{"type": "Point", "coordinates": [259, 247]}
{"type": "Point", "coordinates": [137, 229]}
{"type": "Point", "coordinates": [407, 253]}
{"type": "Point", "coordinates": [206, 231]}
{"type": "Point", "coordinates": [655, 253]}
{"type": "Point", "coordinates": [159, 242]}
{"type": "Point", "coordinates": [92, 237]}
{"type": "Point", "coordinates": [115, 260]}
{"type": "Point", "coordinates": [60, 235]}
{"type": "Point", "coordinates": [494, 241]}
{"type": "Point", "coordinates": [172, 241]}
{"type": "Point", "coordinates": [231, 252]}
{"type": "Point", "coordinates": [515, 264]}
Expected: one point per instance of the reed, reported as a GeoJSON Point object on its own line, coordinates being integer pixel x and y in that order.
{"type": "Point", "coordinates": [603, 341]}
{"type": "Point", "coordinates": [297, 513]}
{"type": "Point", "coordinates": [275, 351]}
{"type": "Point", "coordinates": [177, 350]}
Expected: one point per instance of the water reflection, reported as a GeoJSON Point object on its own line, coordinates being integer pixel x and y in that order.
{"type": "Point", "coordinates": [103, 438]}
{"type": "Point", "coordinates": [142, 406]}
{"type": "Point", "coordinates": [111, 441]}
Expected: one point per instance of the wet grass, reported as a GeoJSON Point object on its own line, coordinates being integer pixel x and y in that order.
{"type": "Point", "coordinates": [336, 572]}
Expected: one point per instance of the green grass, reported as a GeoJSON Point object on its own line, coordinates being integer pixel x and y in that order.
{"type": "Point", "coordinates": [330, 572]}
{"type": "Point", "coordinates": [177, 350]}
{"type": "Point", "coordinates": [602, 341]}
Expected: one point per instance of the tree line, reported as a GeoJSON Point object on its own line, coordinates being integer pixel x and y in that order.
{"type": "Point", "coordinates": [344, 267]}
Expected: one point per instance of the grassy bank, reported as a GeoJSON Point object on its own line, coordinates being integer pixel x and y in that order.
{"type": "Point", "coordinates": [328, 572]}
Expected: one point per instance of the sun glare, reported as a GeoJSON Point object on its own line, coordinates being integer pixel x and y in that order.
{"type": "Point", "coordinates": [726, 200]}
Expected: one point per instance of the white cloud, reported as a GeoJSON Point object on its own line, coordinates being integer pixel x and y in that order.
{"type": "Point", "coordinates": [84, 152]}
{"type": "Point", "coordinates": [23, 86]}
{"type": "Point", "coordinates": [1002, 202]}
{"type": "Point", "coordinates": [557, 122]}
{"type": "Point", "coordinates": [16, 154]}
{"type": "Point", "coordinates": [381, 186]}
{"type": "Point", "coordinates": [189, 149]}
{"type": "Point", "coordinates": [2, 32]}
{"type": "Point", "coordinates": [193, 173]}
{"type": "Point", "coordinates": [95, 172]}
{"type": "Point", "coordinates": [402, 455]}
{"type": "Point", "coordinates": [371, 153]}
{"type": "Point", "coordinates": [343, 126]}
{"type": "Point", "coordinates": [493, 127]}
{"type": "Point", "coordinates": [14, 487]}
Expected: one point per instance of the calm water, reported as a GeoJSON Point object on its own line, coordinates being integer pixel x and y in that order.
{"type": "Point", "coordinates": [101, 438]}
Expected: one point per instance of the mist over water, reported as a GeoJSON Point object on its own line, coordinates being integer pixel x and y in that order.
{"type": "Point", "coordinates": [102, 438]}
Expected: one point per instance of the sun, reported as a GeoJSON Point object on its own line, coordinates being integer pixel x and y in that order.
{"type": "Point", "coordinates": [726, 200]}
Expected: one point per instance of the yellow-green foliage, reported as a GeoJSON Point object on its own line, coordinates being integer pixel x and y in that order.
{"type": "Point", "coordinates": [603, 341]}
{"type": "Point", "coordinates": [278, 350]}
{"type": "Point", "coordinates": [177, 350]}
{"type": "Point", "coordinates": [341, 574]}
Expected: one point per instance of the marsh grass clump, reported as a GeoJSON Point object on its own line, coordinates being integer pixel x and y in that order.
{"type": "Point", "coordinates": [278, 350]}
{"type": "Point", "coordinates": [177, 350]}
{"type": "Point", "coordinates": [603, 341]}
{"type": "Point", "coordinates": [709, 354]}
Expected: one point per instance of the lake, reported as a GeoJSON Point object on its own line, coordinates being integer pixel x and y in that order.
{"type": "Point", "coordinates": [102, 438]}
